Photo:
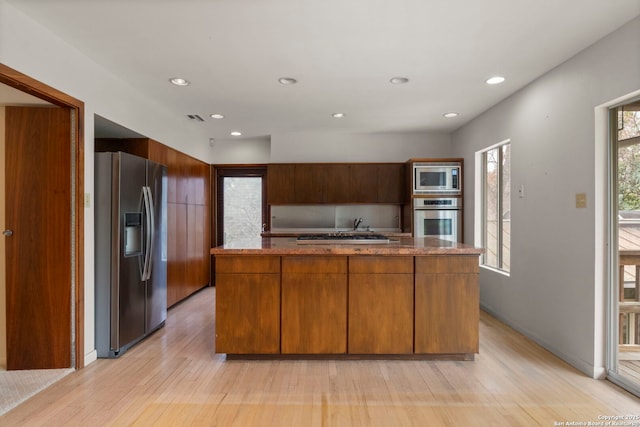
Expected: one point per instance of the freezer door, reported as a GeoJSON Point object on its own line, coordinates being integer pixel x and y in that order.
{"type": "Point", "coordinates": [128, 290]}
{"type": "Point", "coordinates": [157, 283]}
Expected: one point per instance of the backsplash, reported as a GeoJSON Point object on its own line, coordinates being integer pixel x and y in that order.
{"type": "Point", "coordinates": [334, 217]}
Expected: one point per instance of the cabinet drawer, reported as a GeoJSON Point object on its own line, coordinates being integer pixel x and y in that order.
{"type": "Point", "coordinates": [247, 264]}
{"type": "Point", "coordinates": [381, 264]}
{"type": "Point", "coordinates": [447, 264]}
{"type": "Point", "coordinates": [314, 264]}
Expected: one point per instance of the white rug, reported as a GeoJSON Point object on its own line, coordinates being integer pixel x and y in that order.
{"type": "Point", "coordinates": [18, 386]}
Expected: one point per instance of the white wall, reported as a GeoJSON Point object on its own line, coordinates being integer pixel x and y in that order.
{"type": "Point", "coordinates": [308, 147]}
{"type": "Point", "coordinates": [241, 151]}
{"type": "Point", "coordinates": [555, 291]}
{"type": "Point", "coordinates": [342, 147]}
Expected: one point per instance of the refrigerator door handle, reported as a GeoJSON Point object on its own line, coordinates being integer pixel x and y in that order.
{"type": "Point", "coordinates": [148, 207]}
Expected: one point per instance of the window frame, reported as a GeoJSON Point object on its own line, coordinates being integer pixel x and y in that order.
{"type": "Point", "coordinates": [481, 206]}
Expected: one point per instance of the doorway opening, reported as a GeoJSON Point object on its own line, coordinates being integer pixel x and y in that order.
{"type": "Point", "coordinates": [241, 203]}
{"type": "Point", "coordinates": [624, 363]}
{"type": "Point", "coordinates": [74, 200]}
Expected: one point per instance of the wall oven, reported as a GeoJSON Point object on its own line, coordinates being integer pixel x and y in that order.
{"type": "Point", "coordinates": [437, 178]}
{"type": "Point", "coordinates": [438, 217]}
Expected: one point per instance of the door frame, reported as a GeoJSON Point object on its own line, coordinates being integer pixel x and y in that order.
{"type": "Point", "coordinates": [24, 83]}
{"type": "Point", "coordinates": [222, 171]}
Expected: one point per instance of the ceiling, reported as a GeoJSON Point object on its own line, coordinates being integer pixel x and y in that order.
{"type": "Point", "coordinates": [342, 52]}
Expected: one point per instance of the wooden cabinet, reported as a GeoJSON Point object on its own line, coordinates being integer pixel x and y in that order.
{"type": "Point", "coordinates": [363, 182]}
{"type": "Point", "coordinates": [377, 182]}
{"type": "Point", "coordinates": [391, 183]}
{"type": "Point", "coordinates": [188, 213]}
{"type": "Point", "coordinates": [401, 305]}
{"type": "Point", "coordinates": [280, 187]}
{"type": "Point", "coordinates": [248, 305]}
{"type": "Point", "coordinates": [337, 188]}
{"type": "Point", "coordinates": [380, 305]}
{"type": "Point", "coordinates": [314, 305]}
{"type": "Point", "coordinates": [446, 289]}
{"type": "Point", "coordinates": [335, 183]}
{"type": "Point", "coordinates": [176, 252]}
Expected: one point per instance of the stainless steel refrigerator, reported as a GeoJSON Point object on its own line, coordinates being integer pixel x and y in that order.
{"type": "Point", "coordinates": [130, 250]}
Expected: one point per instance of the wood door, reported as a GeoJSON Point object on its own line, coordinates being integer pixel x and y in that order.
{"type": "Point", "coordinates": [38, 254]}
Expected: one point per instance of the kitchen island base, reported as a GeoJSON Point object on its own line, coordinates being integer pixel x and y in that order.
{"type": "Point", "coordinates": [348, 305]}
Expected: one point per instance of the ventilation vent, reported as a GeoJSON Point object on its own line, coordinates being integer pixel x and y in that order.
{"type": "Point", "coordinates": [195, 117]}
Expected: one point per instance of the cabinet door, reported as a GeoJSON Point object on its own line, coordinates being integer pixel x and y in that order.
{"type": "Point", "coordinates": [247, 313]}
{"type": "Point", "coordinates": [380, 313]}
{"type": "Point", "coordinates": [176, 252]}
{"type": "Point", "coordinates": [447, 313]}
{"type": "Point", "coordinates": [173, 176]}
{"type": "Point", "coordinates": [157, 152]}
{"type": "Point", "coordinates": [280, 183]}
{"type": "Point", "coordinates": [308, 183]}
{"type": "Point", "coordinates": [335, 181]}
{"type": "Point", "coordinates": [314, 305]}
{"type": "Point", "coordinates": [363, 183]}
{"type": "Point", "coordinates": [391, 183]}
{"type": "Point", "coordinates": [380, 305]}
{"type": "Point", "coordinates": [204, 247]}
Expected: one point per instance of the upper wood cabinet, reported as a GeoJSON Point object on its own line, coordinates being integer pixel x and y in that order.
{"type": "Point", "coordinates": [335, 183]}
{"type": "Point", "coordinates": [280, 179]}
{"type": "Point", "coordinates": [391, 183]}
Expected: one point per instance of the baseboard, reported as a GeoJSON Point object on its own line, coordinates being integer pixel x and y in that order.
{"type": "Point", "coordinates": [90, 357]}
{"type": "Point", "coordinates": [586, 368]}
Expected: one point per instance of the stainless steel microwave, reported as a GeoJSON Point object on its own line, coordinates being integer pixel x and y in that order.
{"type": "Point", "coordinates": [437, 178]}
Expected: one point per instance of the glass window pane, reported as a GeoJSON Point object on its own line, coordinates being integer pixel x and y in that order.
{"type": "Point", "coordinates": [628, 124]}
{"type": "Point", "coordinates": [242, 208]}
{"type": "Point", "coordinates": [491, 207]}
{"type": "Point", "coordinates": [506, 206]}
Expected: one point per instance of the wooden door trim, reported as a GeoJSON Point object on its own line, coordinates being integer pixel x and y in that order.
{"type": "Point", "coordinates": [22, 82]}
{"type": "Point", "coordinates": [222, 171]}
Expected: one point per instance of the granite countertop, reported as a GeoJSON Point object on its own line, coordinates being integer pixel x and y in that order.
{"type": "Point", "coordinates": [397, 246]}
{"type": "Point", "coordinates": [391, 234]}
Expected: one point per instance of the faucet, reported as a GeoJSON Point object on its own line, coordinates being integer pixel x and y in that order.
{"type": "Point", "coordinates": [356, 223]}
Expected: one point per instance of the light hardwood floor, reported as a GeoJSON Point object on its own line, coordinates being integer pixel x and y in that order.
{"type": "Point", "coordinates": [175, 378]}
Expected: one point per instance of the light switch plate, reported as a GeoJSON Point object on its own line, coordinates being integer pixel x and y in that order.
{"type": "Point", "coordinates": [87, 200]}
{"type": "Point", "coordinates": [581, 200]}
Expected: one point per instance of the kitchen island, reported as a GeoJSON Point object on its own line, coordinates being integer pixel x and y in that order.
{"type": "Point", "coordinates": [411, 298]}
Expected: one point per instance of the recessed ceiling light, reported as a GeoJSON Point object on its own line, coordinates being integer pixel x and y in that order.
{"type": "Point", "coordinates": [399, 80]}
{"type": "Point", "coordinates": [179, 81]}
{"type": "Point", "coordinates": [450, 114]}
{"type": "Point", "coordinates": [217, 116]}
{"type": "Point", "coordinates": [287, 81]}
{"type": "Point", "coordinates": [338, 115]}
{"type": "Point", "coordinates": [495, 80]}
{"type": "Point", "coordinates": [236, 133]}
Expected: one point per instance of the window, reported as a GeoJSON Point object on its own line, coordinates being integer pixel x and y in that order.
{"type": "Point", "coordinates": [496, 206]}
{"type": "Point", "coordinates": [241, 203]}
